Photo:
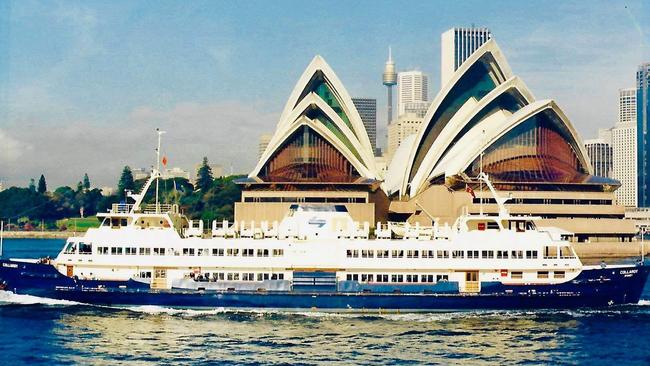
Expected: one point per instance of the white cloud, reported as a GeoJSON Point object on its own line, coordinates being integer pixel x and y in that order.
{"type": "Point", "coordinates": [226, 132]}
{"type": "Point", "coordinates": [11, 149]}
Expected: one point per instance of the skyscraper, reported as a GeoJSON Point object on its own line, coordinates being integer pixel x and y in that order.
{"type": "Point", "coordinates": [457, 44]}
{"type": "Point", "coordinates": [401, 128]}
{"type": "Point", "coordinates": [389, 80]}
{"type": "Point", "coordinates": [417, 108]}
{"type": "Point", "coordinates": [624, 155]}
{"type": "Point", "coordinates": [627, 105]}
{"type": "Point", "coordinates": [643, 135]}
{"type": "Point", "coordinates": [412, 87]}
{"type": "Point", "coordinates": [367, 108]}
{"type": "Point", "coordinates": [600, 153]}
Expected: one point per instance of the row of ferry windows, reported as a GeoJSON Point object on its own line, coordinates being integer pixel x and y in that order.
{"type": "Point", "coordinates": [429, 278]}
{"type": "Point", "coordinates": [219, 252]}
{"type": "Point", "coordinates": [442, 254]}
{"type": "Point", "coordinates": [236, 276]}
{"type": "Point", "coordinates": [397, 278]}
{"type": "Point", "coordinates": [227, 276]}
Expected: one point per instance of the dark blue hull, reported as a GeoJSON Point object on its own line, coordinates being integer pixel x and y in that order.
{"type": "Point", "coordinates": [592, 288]}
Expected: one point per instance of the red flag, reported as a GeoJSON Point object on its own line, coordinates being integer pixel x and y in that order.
{"type": "Point", "coordinates": [469, 190]}
{"type": "Point", "coordinates": [164, 161]}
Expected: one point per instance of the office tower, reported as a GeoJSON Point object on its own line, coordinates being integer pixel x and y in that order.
{"type": "Point", "coordinates": [600, 154]}
{"type": "Point", "coordinates": [401, 128]}
{"type": "Point", "coordinates": [367, 108]}
{"type": "Point", "coordinates": [643, 135]}
{"type": "Point", "coordinates": [624, 154]}
{"type": "Point", "coordinates": [457, 44]}
{"type": "Point", "coordinates": [389, 80]}
{"type": "Point", "coordinates": [417, 108]}
{"type": "Point", "coordinates": [263, 143]}
{"type": "Point", "coordinates": [412, 87]}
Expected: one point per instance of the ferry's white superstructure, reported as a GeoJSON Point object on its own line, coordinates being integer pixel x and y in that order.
{"type": "Point", "coordinates": [318, 257]}
{"type": "Point", "coordinates": [160, 247]}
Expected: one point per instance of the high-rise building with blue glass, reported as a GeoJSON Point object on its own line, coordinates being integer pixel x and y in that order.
{"type": "Point", "coordinates": [643, 135]}
{"type": "Point", "coordinates": [367, 108]}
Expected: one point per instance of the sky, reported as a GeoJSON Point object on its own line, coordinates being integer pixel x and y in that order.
{"type": "Point", "coordinates": [84, 85]}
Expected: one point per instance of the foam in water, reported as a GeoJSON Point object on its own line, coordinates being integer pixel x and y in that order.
{"type": "Point", "coordinates": [8, 298]}
{"type": "Point", "coordinates": [157, 310]}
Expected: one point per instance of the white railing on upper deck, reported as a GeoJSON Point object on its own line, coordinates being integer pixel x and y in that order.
{"type": "Point", "coordinates": [125, 208]}
{"type": "Point", "coordinates": [118, 208]}
{"type": "Point", "coordinates": [150, 208]}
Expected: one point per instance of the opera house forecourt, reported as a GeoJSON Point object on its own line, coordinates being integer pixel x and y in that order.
{"type": "Point", "coordinates": [484, 116]}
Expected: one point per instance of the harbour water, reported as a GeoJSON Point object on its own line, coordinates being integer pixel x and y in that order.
{"type": "Point", "coordinates": [40, 331]}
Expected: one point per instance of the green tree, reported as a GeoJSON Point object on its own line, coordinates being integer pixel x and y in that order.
{"type": "Point", "coordinates": [32, 185]}
{"type": "Point", "coordinates": [64, 199]}
{"type": "Point", "coordinates": [204, 176]}
{"type": "Point", "coordinates": [86, 182]}
{"type": "Point", "coordinates": [126, 181]}
{"type": "Point", "coordinates": [80, 186]}
{"type": "Point", "coordinates": [42, 186]}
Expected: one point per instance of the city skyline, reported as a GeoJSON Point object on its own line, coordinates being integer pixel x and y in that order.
{"type": "Point", "coordinates": [83, 87]}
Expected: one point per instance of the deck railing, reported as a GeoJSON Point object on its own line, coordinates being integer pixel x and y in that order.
{"type": "Point", "coordinates": [121, 208]}
{"type": "Point", "coordinates": [162, 207]}
{"type": "Point", "coordinates": [124, 208]}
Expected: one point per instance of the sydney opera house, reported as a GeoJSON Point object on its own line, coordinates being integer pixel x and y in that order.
{"type": "Point", "coordinates": [483, 118]}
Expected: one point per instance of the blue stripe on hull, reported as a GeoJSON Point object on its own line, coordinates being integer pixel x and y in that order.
{"type": "Point", "coordinates": [592, 288]}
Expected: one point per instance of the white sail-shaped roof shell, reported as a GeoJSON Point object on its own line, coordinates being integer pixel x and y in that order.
{"type": "Point", "coordinates": [357, 149]}
{"type": "Point", "coordinates": [397, 166]}
{"type": "Point", "coordinates": [499, 72]}
{"type": "Point", "coordinates": [465, 115]}
{"type": "Point", "coordinates": [478, 140]}
{"type": "Point", "coordinates": [465, 118]}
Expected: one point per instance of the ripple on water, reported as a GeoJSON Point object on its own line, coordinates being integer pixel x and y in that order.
{"type": "Point", "coordinates": [39, 331]}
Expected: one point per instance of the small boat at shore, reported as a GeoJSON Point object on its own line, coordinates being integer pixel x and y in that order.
{"type": "Point", "coordinates": [317, 257]}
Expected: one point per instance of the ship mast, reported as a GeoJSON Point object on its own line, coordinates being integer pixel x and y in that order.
{"type": "Point", "coordinates": [501, 201]}
{"type": "Point", "coordinates": [158, 169]}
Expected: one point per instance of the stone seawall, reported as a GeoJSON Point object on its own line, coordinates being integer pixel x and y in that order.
{"type": "Point", "coordinates": [609, 250]}
{"type": "Point", "coordinates": [38, 234]}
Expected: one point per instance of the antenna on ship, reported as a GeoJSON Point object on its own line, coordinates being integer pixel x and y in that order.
{"type": "Point", "coordinates": [157, 173]}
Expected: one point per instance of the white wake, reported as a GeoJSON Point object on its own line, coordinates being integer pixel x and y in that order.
{"type": "Point", "coordinates": [10, 298]}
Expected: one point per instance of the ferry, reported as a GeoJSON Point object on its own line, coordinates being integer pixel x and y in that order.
{"type": "Point", "coordinates": [317, 257]}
